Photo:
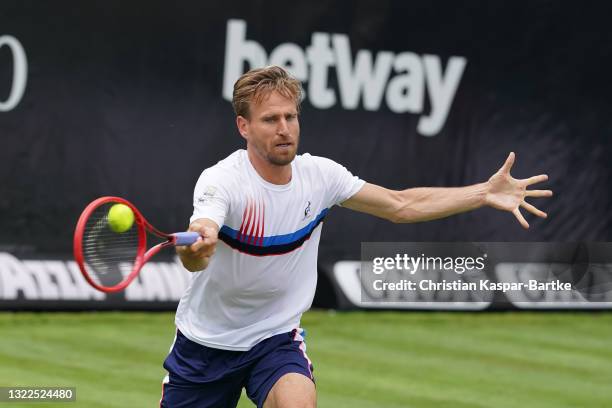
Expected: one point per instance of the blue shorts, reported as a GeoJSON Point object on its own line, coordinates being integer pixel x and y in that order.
{"type": "Point", "coordinates": [205, 377]}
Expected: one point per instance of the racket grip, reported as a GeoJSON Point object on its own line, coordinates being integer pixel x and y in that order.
{"type": "Point", "coordinates": [185, 238]}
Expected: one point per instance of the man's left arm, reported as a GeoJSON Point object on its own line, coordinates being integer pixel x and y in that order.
{"type": "Point", "coordinates": [501, 191]}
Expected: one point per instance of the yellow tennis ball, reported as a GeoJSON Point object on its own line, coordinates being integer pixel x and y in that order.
{"type": "Point", "coordinates": [120, 218]}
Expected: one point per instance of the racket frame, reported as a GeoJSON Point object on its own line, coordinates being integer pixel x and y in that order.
{"type": "Point", "coordinates": [142, 254]}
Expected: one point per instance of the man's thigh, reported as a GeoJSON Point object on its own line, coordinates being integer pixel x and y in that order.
{"type": "Point", "coordinates": [283, 368]}
{"type": "Point", "coordinates": [292, 391]}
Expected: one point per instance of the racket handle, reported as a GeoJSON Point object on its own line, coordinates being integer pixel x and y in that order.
{"type": "Point", "coordinates": [185, 238]}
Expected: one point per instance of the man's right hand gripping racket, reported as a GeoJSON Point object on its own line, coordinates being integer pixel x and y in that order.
{"type": "Point", "coordinates": [110, 243]}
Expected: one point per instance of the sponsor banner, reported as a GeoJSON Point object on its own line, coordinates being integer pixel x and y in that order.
{"type": "Point", "coordinates": [474, 276]}
{"type": "Point", "coordinates": [524, 276]}
{"type": "Point", "coordinates": [58, 284]}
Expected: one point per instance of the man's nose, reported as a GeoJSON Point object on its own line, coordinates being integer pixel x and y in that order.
{"type": "Point", "coordinates": [283, 127]}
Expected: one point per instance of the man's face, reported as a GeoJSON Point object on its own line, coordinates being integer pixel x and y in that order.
{"type": "Point", "coordinates": [273, 130]}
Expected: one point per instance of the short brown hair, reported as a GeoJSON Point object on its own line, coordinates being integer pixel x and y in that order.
{"type": "Point", "coordinates": [257, 83]}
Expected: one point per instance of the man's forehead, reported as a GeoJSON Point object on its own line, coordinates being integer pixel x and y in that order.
{"type": "Point", "coordinates": [272, 101]}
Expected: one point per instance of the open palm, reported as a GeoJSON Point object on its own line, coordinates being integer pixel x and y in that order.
{"type": "Point", "coordinates": [508, 194]}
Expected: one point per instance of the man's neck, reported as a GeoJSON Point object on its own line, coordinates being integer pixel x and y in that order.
{"type": "Point", "coordinates": [274, 174]}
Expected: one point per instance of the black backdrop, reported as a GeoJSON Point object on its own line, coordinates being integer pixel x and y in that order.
{"type": "Point", "coordinates": [125, 98]}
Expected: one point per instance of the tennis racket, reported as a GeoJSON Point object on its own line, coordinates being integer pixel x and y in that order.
{"type": "Point", "coordinates": [111, 260]}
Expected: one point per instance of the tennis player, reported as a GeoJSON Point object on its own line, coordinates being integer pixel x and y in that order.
{"type": "Point", "coordinates": [259, 212]}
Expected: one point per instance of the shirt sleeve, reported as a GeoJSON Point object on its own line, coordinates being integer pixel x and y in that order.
{"type": "Point", "coordinates": [340, 183]}
{"type": "Point", "coordinates": [210, 198]}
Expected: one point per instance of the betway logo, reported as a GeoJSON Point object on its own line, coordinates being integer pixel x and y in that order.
{"type": "Point", "coordinates": [404, 79]}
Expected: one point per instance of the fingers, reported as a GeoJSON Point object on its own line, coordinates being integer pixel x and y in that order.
{"type": "Point", "coordinates": [535, 179]}
{"type": "Point", "coordinates": [533, 210]}
{"type": "Point", "coordinates": [199, 245]}
{"type": "Point", "coordinates": [538, 193]}
{"type": "Point", "coordinates": [199, 250]}
{"type": "Point", "coordinates": [197, 227]}
{"type": "Point", "coordinates": [508, 164]}
{"type": "Point", "coordinates": [520, 218]}
{"type": "Point", "coordinates": [209, 232]}
{"type": "Point", "coordinates": [206, 244]}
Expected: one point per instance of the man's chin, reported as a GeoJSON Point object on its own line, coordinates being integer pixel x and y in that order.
{"type": "Point", "coordinates": [281, 159]}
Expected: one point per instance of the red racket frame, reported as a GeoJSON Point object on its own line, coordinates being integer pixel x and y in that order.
{"type": "Point", "coordinates": [142, 255]}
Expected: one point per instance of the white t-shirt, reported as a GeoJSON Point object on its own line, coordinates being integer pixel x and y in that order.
{"type": "Point", "coordinates": [263, 274]}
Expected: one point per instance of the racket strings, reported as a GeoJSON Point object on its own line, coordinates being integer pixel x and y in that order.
{"type": "Point", "coordinates": [109, 256]}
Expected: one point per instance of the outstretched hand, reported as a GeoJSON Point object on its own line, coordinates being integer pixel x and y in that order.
{"type": "Point", "coordinates": [508, 194]}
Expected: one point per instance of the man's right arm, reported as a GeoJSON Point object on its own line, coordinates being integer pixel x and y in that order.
{"type": "Point", "coordinates": [196, 257]}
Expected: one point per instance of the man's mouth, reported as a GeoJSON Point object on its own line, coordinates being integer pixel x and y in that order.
{"type": "Point", "coordinates": [283, 144]}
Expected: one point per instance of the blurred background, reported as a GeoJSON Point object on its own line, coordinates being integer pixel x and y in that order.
{"type": "Point", "coordinates": [132, 99]}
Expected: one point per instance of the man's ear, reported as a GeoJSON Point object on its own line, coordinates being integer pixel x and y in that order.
{"type": "Point", "coordinates": [242, 124]}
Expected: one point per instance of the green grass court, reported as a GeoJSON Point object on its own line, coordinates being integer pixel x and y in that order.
{"type": "Point", "coordinates": [369, 360]}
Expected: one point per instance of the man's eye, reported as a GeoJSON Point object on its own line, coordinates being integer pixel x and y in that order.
{"type": "Point", "coordinates": [268, 120]}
